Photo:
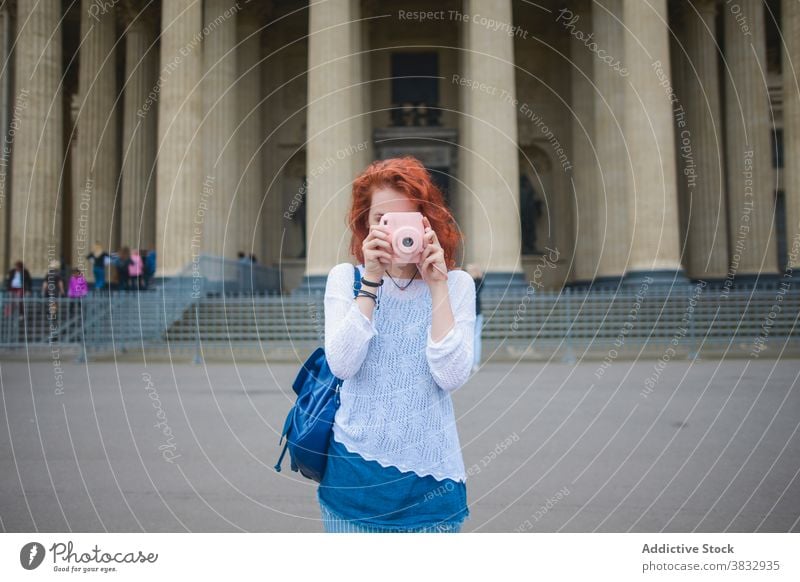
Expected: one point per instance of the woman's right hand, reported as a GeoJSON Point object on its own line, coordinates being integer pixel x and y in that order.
{"type": "Point", "coordinates": [377, 252]}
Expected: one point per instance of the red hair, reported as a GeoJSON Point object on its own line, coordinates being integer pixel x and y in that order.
{"type": "Point", "coordinates": [407, 175]}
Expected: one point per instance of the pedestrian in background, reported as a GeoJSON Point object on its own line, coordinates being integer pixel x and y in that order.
{"type": "Point", "coordinates": [78, 287]}
{"type": "Point", "coordinates": [99, 259]}
{"type": "Point", "coordinates": [477, 276]}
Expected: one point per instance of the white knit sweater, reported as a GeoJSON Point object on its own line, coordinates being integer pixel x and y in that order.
{"type": "Point", "coordinates": [395, 399]}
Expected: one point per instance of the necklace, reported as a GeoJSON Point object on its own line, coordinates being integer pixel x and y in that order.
{"type": "Point", "coordinates": [407, 284]}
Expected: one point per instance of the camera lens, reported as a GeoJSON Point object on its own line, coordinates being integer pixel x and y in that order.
{"type": "Point", "coordinates": [408, 242]}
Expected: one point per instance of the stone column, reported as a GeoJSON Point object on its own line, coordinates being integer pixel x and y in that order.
{"type": "Point", "coordinates": [138, 226]}
{"type": "Point", "coordinates": [182, 195]}
{"type": "Point", "coordinates": [614, 185]}
{"type": "Point", "coordinates": [219, 142]}
{"type": "Point", "coordinates": [700, 145]}
{"type": "Point", "coordinates": [250, 134]}
{"type": "Point", "coordinates": [650, 139]}
{"type": "Point", "coordinates": [97, 167]}
{"type": "Point", "coordinates": [748, 141]}
{"type": "Point", "coordinates": [6, 115]}
{"type": "Point", "coordinates": [39, 142]}
{"type": "Point", "coordinates": [272, 206]}
{"type": "Point", "coordinates": [335, 102]}
{"type": "Point", "coordinates": [790, 24]}
{"type": "Point", "coordinates": [586, 197]}
{"type": "Point", "coordinates": [489, 137]}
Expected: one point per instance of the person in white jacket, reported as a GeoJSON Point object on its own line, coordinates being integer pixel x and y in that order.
{"type": "Point", "coordinates": [402, 349]}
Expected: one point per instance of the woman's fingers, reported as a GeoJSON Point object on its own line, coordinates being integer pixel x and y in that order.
{"type": "Point", "coordinates": [378, 230]}
{"type": "Point", "coordinates": [376, 242]}
{"type": "Point", "coordinates": [433, 258]}
{"type": "Point", "coordinates": [376, 253]}
{"type": "Point", "coordinates": [431, 239]}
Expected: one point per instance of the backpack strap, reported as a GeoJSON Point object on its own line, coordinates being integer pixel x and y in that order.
{"type": "Point", "coordinates": [357, 282]}
{"type": "Point", "coordinates": [280, 460]}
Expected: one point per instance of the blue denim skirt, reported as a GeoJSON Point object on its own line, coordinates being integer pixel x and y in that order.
{"type": "Point", "coordinates": [360, 495]}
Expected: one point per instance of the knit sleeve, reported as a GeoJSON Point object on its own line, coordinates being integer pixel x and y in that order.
{"type": "Point", "coordinates": [450, 359]}
{"type": "Point", "coordinates": [347, 330]}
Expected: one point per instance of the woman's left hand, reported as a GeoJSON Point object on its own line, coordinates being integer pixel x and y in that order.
{"type": "Point", "coordinates": [432, 266]}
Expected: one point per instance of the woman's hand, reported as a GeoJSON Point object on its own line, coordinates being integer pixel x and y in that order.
{"type": "Point", "coordinates": [432, 266]}
{"type": "Point", "coordinates": [377, 252]}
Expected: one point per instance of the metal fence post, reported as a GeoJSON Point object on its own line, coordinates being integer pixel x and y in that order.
{"type": "Point", "coordinates": [693, 350]}
{"type": "Point", "coordinates": [569, 356]}
{"type": "Point", "coordinates": [198, 357]}
{"type": "Point", "coordinates": [82, 355]}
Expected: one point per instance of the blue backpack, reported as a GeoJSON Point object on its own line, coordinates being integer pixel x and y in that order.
{"type": "Point", "coordinates": [310, 421]}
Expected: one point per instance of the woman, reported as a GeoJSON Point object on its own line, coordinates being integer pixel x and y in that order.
{"type": "Point", "coordinates": [394, 458]}
{"type": "Point", "coordinates": [19, 283]}
{"type": "Point", "coordinates": [77, 290]}
{"type": "Point", "coordinates": [135, 270]}
{"type": "Point", "coordinates": [78, 287]}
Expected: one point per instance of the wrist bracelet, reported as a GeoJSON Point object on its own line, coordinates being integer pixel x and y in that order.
{"type": "Point", "coordinates": [362, 292]}
{"type": "Point", "coordinates": [371, 283]}
{"type": "Point", "coordinates": [371, 296]}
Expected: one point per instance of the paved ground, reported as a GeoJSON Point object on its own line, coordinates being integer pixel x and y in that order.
{"type": "Point", "coordinates": [549, 447]}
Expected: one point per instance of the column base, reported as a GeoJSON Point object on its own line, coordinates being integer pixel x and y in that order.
{"type": "Point", "coordinates": [660, 278]}
{"type": "Point", "coordinates": [504, 281]}
{"type": "Point", "coordinates": [754, 280]}
{"type": "Point", "coordinates": [608, 282]}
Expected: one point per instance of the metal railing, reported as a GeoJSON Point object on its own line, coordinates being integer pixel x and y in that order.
{"type": "Point", "coordinates": [109, 320]}
{"type": "Point", "coordinates": [182, 313]}
{"type": "Point", "coordinates": [226, 276]}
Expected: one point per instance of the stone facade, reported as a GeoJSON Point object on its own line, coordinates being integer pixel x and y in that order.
{"type": "Point", "coordinates": [577, 142]}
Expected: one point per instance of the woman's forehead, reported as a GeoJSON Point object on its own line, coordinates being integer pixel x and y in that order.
{"type": "Point", "coordinates": [391, 200]}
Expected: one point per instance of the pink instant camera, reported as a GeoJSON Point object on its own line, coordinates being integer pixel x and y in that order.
{"type": "Point", "coordinates": [406, 236]}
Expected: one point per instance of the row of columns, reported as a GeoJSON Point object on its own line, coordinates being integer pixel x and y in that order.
{"type": "Point", "coordinates": [624, 134]}
{"type": "Point", "coordinates": [638, 120]}
{"type": "Point", "coordinates": [337, 120]}
{"type": "Point", "coordinates": [629, 165]}
{"type": "Point", "coordinates": [192, 102]}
